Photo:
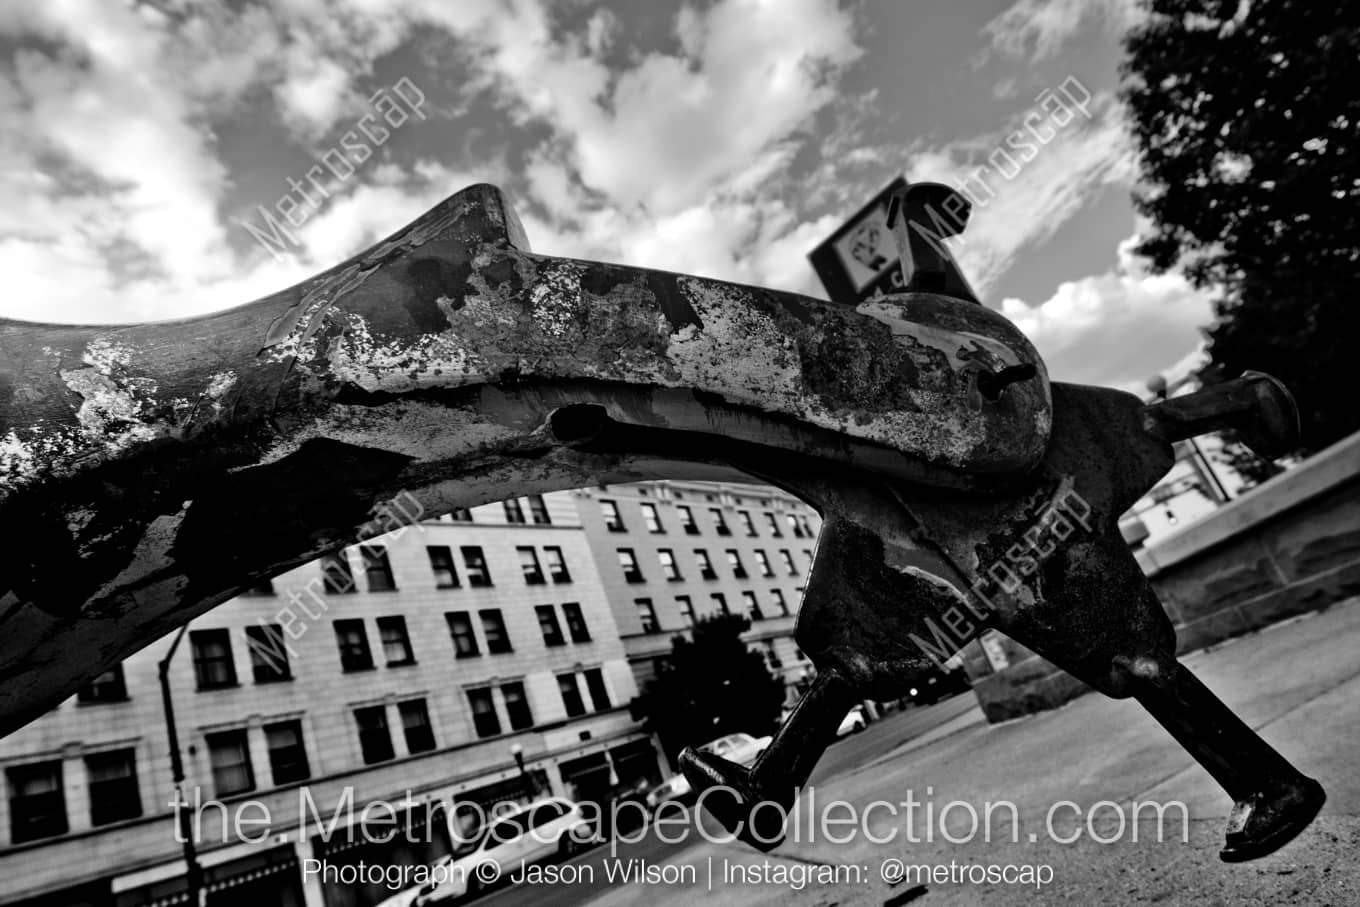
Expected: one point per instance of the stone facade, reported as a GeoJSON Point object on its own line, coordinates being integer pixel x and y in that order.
{"type": "Point", "coordinates": [376, 720]}
{"type": "Point", "coordinates": [757, 540]}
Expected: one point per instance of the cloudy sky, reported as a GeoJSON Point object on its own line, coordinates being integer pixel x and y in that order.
{"type": "Point", "coordinates": [718, 138]}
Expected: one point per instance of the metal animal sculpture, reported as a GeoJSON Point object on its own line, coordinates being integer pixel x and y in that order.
{"type": "Point", "coordinates": [149, 472]}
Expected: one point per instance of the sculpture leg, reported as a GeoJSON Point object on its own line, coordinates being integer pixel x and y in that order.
{"type": "Point", "coordinates": [1122, 643]}
{"type": "Point", "coordinates": [753, 803]}
{"type": "Point", "coordinates": [1272, 800]}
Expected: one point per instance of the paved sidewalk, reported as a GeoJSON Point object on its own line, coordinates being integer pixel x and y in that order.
{"type": "Point", "coordinates": [1298, 683]}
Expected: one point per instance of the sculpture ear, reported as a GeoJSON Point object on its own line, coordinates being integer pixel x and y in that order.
{"type": "Point", "coordinates": [921, 217]}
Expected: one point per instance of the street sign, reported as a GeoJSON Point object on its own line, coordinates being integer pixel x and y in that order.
{"type": "Point", "coordinates": [861, 260]}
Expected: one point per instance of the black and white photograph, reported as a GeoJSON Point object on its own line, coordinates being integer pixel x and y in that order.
{"type": "Point", "coordinates": [825, 453]}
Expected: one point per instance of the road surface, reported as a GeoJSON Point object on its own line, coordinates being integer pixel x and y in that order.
{"type": "Point", "coordinates": [846, 755]}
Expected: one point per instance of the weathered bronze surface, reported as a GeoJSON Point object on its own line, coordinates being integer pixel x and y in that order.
{"type": "Point", "coordinates": [149, 472]}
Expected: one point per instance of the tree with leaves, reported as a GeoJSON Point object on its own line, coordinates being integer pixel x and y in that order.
{"type": "Point", "coordinates": [1247, 118]}
{"type": "Point", "coordinates": [711, 685]}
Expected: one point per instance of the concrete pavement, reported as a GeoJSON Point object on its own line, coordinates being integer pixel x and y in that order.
{"type": "Point", "coordinates": [1298, 683]}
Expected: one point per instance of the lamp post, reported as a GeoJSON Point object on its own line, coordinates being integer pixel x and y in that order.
{"type": "Point", "coordinates": [517, 751]}
{"type": "Point", "coordinates": [193, 875]}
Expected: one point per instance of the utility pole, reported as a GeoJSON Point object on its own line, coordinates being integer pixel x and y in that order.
{"type": "Point", "coordinates": [198, 894]}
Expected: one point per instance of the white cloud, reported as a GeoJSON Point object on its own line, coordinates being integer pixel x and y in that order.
{"type": "Point", "coordinates": [1118, 328]}
{"type": "Point", "coordinates": [1019, 203]}
{"type": "Point", "coordinates": [1032, 30]}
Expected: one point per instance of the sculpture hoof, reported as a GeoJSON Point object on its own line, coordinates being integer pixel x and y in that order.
{"type": "Point", "coordinates": [727, 791]}
{"type": "Point", "coordinates": [1266, 821]}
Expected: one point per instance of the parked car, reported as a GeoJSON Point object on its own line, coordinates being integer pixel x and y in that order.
{"type": "Point", "coordinates": [935, 685]}
{"type": "Point", "coordinates": [676, 787]}
{"type": "Point", "coordinates": [402, 898]}
{"type": "Point", "coordinates": [853, 722]}
{"type": "Point", "coordinates": [531, 834]}
{"type": "Point", "coordinates": [739, 748]}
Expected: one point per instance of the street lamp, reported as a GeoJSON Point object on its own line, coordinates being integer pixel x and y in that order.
{"type": "Point", "coordinates": [517, 751]}
{"type": "Point", "coordinates": [193, 875]}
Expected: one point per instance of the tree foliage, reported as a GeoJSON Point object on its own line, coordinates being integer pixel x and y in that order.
{"type": "Point", "coordinates": [1247, 115]}
{"type": "Point", "coordinates": [711, 685]}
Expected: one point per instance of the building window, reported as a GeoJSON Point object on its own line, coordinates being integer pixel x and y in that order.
{"type": "Point", "coordinates": [652, 519]}
{"type": "Point", "coordinates": [576, 622]}
{"type": "Point", "coordinates": [763, 561]}
{"type": "Point", "coordinates": [460, 515]}
{"type": "Point", "coordinates": [647, 614]}
{"type": "Point", "coordinates": [687, 520]}
{"type": "Point", "coordinates": [441, 562]}
{"type": "Point", "coordinates": [114, 794]}
{"type": "Point", "coordinates": [396, 642]}
{"type": "Point", "coordinates": [720, 601]}
{"type": "Point", "coordinates": [547, 622]}
{"type": "Point", "coordinates": [669, 568]}
{"type": "Point", "coordinates": [107, 687]}
{"type": "Point", "coordinates": [514, 513]}
{"type": "Point", "coordinates": [352, 641]}
{"type": "Point", "coordinates": [787, 558]}
{"type": "Point", "coordinates": [538, 510]}
{"type": "Point", "coordinates": [336, 576]}
{"type": "Point", "coordinates": [571, 695]}
{"type": "Point", "coordinates": [779, 602]}
{"type": "Point", "coordinates": [517, 709]}
{"type": "Point", "coordinates": [772, 656]}
{"type": "Point", "coordinates": [287, 755]}
{"type": "Point", "coordinates": [774, 525]}
{"type": "Point", "coordinates": [377, 571]}
{"type": "Point", "coordinates": [557, 565]}
{"type": "Point", "coordinates": [375, 741]}
{"type": "Point", "coordinates": [747, 523]}
{"type": "Point", "coordinates": [752, 606]}
{"type": "Point", "coordinates": [484, 718]}
{"type": "Point", "coordinates": [705, 565]}
{"type": "Point", "coordinates": [686, 606]}
{"type": "Point", "coordinates": [460, 628]}
{"type": "Point", "coordinates": [268, 653]}
{"type": "Point", "coordinates": [37, 803]}
{"type": "Point", "coordinates": [793, 525]}
{"type": "Point", "coordinates": [528, 562]}
{"type": "Point", "coordinates": [493, 629]}
{"type": "Point", "coordinates": [628, 561]}
{"type": "Point", "coordinates": [477, 571]}
{"type": "Point", "coordinates": [734, 561]}
{"type": "Point", "coordinates": [612, 520]}
{"type": "Point", "coordinates": [415, 724]}
{"type": "Point", "coordinates": [229, 755]}
{"type": "Point", "coordinates": [719, 521]}
{"type": "Point", "coordinates": [599, 694]}
{"type": "Point", "coordinates": [213, 664]}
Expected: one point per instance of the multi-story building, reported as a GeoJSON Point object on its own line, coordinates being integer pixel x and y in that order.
{"type": "Point", "coordinates": [671, 552]}
{"type": "Point", "coordinates": [469, 659]}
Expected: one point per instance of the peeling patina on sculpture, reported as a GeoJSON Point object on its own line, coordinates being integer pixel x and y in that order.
{"type": "Point", "coordinates": [149, 472]}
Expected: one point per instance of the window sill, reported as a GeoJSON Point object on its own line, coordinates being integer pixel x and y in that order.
{"type": "Point", "coordinates": [408, 663]}
{"type": "Point", "coordinates": [213, 688]}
